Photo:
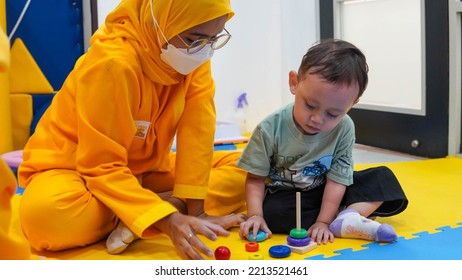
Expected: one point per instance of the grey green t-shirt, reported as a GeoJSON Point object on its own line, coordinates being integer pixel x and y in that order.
{"type": "Point", "coordinates": [291, 159]}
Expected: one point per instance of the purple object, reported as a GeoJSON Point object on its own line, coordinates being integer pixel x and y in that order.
{"type": "Point", "coordinates": [242, 101]}
{"type": "Point", "coordinates": [13, 159]}
{"type": "Point", "coordinates": [298, 242]}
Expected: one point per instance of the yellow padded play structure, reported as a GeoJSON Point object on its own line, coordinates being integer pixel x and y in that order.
{"type": "Point", "coordinates": [25, 79]}
{"type": "Point", "coordinates": [18, 83]}
{"type": "Point", "coordinates": [6, 142]}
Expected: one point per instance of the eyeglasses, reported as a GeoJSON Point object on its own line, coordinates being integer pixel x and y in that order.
{"type": "Point", "coordinates": [215, 43]}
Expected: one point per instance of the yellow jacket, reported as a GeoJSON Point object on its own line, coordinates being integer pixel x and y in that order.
{"type": "Point", "coordinates": [118, 111]}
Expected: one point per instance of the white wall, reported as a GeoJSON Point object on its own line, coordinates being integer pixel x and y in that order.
{"type": "Point", "coordinates": [391, 33]}
{"type": "Point", "coordinates": [269, 39]}
{"type": "Point", "coordinates": [104, 7]}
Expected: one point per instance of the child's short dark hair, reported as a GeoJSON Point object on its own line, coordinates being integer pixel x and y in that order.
{"type": "Point", "coordinates": [338, 62]}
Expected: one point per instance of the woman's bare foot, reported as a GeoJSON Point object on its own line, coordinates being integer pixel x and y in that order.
{"type": "Point", "coordinates": [119, 239]}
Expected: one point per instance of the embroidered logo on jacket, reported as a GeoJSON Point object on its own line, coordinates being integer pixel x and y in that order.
{"type": "Point", "coordinates": [142, 128]}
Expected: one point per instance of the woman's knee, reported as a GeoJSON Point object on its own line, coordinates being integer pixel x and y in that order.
{"type": "Point", "coordinates": [39, 219]}
{"type": "Point", "coordinates": [37, 210]}
{"type": "Point", "coordinates": [58, 213]}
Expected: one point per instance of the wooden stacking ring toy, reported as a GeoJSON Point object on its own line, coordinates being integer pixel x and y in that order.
{"type": "Point", "coordinates": [256, 257]}
{"type": "Point", "coordinates": [298, 242]}
{"type": "Point", "coordinates": [261, 236]}
{"type": "Point", "coordinates": [298, 233]}
{"type": "Point", "coordinates": [279, 251]}
{"type": "Point", "coordinates": [251, 246]}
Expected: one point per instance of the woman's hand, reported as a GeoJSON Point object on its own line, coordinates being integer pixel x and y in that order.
{"type": "Point", "coordinates": [254, 224]}
{"type": "Point", "coordinates": [319, 232]}
{"type": "Point", "coordinates": [196, 209]}
{"type": "Point", "coordinates": [183, 231]}
{"type": "Point", "coordinates": [226, 222]}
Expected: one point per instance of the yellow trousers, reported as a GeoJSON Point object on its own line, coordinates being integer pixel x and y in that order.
{"type": "Point", "coordinates": [58, 212]}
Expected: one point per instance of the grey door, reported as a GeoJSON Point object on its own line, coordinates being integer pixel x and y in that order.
{"type": "Point", "coordinates": [422, 135]}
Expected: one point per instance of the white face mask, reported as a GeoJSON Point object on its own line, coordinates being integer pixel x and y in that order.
{"type": "Point", "coordinates": [180, 59]}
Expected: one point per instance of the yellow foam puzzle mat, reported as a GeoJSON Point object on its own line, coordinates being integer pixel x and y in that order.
{"type": "Point", "coordinates": [25, 74]}
{"type": "Point", "coordinates": [432, 186]}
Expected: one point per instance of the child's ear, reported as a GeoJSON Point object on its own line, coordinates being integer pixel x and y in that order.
{"type": "Point", "coordinates": [293, 81]}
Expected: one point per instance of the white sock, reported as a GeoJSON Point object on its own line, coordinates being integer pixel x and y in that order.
{"type": "Point", "coordinates": [119, 239]}
{"type": "Point", "coordinates": [350, 224]}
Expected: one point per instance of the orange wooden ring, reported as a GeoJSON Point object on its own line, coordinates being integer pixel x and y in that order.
{"type": "Point", "coordinates": [251, 246]}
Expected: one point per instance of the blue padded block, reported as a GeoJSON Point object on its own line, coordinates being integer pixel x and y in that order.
{"type": "Point", "coordinates": [19, 190]}
{"type": "Point", "coordinates": [225, 147]}
{"type": "Point", "coordinates": [40, 102]}
{"type": "Point", "coordinates": [52, 31]}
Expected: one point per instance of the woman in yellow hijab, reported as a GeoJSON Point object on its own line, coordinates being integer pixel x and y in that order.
{"type": "Point", "coordinates": [100, 159]}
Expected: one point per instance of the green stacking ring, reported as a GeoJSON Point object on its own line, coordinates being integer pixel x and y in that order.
{"type": "Point", "coordinates": [298, 233]}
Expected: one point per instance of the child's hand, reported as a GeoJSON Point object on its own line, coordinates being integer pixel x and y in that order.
{"type": "Point", "coordinates": [319, 232]}
{"type": "Point", "coordinates": [254, 224]}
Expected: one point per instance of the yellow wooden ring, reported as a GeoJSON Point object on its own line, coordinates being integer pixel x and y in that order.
{"type": "Point", "coordinates": [256, 257]}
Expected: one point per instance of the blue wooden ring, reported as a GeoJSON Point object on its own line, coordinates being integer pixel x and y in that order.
{"type": "Point", "coordinates": [261, 236]}
{"type": "Point", "coordinates": [298, 233]}
{"type": "Point", "coordinates": [279, 251]}
{"type": "Point", "coordinates": [298, 242]}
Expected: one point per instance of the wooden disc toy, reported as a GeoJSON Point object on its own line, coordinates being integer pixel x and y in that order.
{"type": "Point", "coordinates": [298, 242]}
{"type": "Point", "coordinates": [261, 236]}
{"type": "Point", "coordinates": [279, 251]}
{"type": "Point", "coordinates": [251, 246]}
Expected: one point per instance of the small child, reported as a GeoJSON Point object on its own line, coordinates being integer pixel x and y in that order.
{"type": "Point", "coordinates": [307, 146]}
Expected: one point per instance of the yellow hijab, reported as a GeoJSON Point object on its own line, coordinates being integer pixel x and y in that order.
{"type": "Point", "coordinates": [132, 20]}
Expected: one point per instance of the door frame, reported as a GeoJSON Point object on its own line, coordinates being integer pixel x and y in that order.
{"type": "Point", "coordinates": [455, 77]}
{"type": "Point", "coordinates": [89, 20]}
{"type": "Point", "coordinates": [425, 135]}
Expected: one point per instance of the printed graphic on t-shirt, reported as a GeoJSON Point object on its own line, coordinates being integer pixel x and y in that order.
{"type": "Point", "coordinates": [343, 165]}
{"type": "Point", "coordinates": [304, 176]}
{"type": "Point", "coordinates": [142, 128]}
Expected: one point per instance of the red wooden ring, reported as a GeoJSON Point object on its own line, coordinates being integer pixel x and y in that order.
{"type": "Point", "coordinates": [251, 246]}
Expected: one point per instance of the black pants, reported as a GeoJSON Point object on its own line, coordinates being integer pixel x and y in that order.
{"type": "Point", "coordinates": [373, 184]}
